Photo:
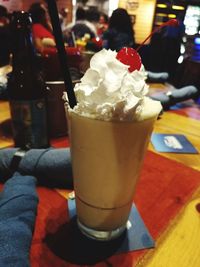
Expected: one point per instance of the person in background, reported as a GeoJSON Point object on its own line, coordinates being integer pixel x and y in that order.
{"type": "Point", "coordinates": [171, 45]}
{"type": "Point", "coordinates": [5, 52]}
{"type": "Point", "coordinates": [155, 53]}
{"type": "Point", "coordinates": [103, 24]}
{"type": "Point", "coordinates": [81, 26]}
{"type": "Point", "coordinates": [92, 18]}
{"type": "Point", "coordinates": [64, 21]}
{"type": "Point", "coordinates": [46, 46]}
{"type": "Point", "coordinates": [4, 37]}
{"type": "Point", "coordinates": [41, 28]}
{"type": "Point", "coordinates": [120, 31]}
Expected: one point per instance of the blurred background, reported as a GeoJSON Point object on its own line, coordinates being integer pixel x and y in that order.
{"type": "Point", "coordinates": [90, 25]}
{"type": "Point", "coordinates": [170, 50]}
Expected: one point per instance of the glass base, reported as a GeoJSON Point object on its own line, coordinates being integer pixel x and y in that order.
{"type": "Point", "coordinates": [101, 235]}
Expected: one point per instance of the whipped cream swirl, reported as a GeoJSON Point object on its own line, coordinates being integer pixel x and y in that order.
{"type": "Point", "coordinates": [108, 91]}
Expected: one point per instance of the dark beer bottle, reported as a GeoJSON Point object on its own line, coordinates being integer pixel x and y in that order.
{"type": "Point", "coordinates": [26, 87]}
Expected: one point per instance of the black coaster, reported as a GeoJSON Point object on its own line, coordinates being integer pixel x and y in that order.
{"type": "Point", "coordinates": [137, 236]}
{"type": "Point", "coordinates": [70, 245]}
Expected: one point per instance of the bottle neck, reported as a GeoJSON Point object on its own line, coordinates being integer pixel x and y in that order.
{"type": "Point", "coordinates": [23, 51]}
{"type": "Point", "coordinates": [26, 81]}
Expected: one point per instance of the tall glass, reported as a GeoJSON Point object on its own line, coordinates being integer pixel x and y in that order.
{"type": "Point", "coordinates": [107, 157]}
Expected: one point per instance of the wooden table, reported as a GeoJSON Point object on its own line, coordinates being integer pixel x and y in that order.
{"type": "Point", "coordinates": [177, 245]}
{"type": "Point", "coordinates": [5, 140]}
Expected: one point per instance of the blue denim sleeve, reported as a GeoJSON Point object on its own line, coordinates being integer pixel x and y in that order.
{"type": "Point", "coordinates": [18, 209]}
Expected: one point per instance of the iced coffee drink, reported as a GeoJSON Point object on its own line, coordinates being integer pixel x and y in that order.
{"type": "Point", "coordinates": [110, 129]}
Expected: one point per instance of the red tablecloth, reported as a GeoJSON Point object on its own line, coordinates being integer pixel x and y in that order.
{"type": "Point", "coordinates": [164, 188]}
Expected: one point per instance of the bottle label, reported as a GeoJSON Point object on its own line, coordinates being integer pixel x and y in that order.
{"type": "Point", "coordinates": [29, 120]}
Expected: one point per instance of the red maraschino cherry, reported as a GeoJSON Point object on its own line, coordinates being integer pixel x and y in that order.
{"type": "Point", "coordinates": [130, 56]}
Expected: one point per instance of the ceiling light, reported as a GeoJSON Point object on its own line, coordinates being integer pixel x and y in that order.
{"type": "Point", "coordinates": [161, 5]}
{"type": "Point", "coordinates": [171, 16]}
{"type": "Point", "coordinates": [178, 7]}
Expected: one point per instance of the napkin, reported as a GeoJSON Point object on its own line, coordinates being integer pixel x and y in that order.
{"type": "Point", "coordinates": [18, 208]}
{"type": "Point", "coordinates": [51, 167]}
{"type": "Point", "coordinates": [177, 95]}
{"type": "Point", "coordinates": [157, 77]}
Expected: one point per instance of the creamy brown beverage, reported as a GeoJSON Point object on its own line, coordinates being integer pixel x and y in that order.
{"type": "Point", "coordinates": [109, 135]}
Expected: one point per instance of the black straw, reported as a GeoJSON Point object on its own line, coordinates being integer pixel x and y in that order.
{"type": "Point", "coordinates": [53, 13]}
